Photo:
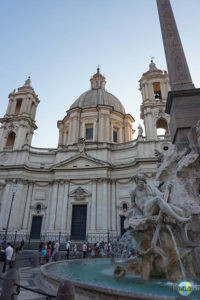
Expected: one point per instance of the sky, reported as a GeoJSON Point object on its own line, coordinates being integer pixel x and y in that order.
{"type": "Point", "coordinates": [61, 42]}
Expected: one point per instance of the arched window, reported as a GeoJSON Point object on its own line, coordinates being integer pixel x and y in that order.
{"type": "Point", "coordinates": [11, 139]}
{"type": "Point", "coordinates": [125, 207]}
{"type": "Point", "coordinates": [162, 127]}
{"type": "Point", "coordinates": [18, 106]}
{"type": "Point", "coordinates": [38, 208]}
{"type": "Point", "coordinates": [157, 90]}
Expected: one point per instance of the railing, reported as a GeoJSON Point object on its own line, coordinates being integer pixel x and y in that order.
{"type": "Point", "coordinates": [16, 237]}
{"type": "Point", "coordinates": [20, 286]}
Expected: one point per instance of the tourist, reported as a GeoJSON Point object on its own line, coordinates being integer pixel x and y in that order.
{"type": "Point", "coordinates": [52, 247]}
{"type": "Point", "coordinates": [84, 249]}
{"type": "Point", "coordinates": [2, 259]}
{"type": "Point", "coordinates": [68, 249]}
{"type": "Point", "coordinates": [21, 246]}
{"type": "Point", "coordinates": [97, 244]}
{"type": "Point", "coordinates": [109, 247]}
{"type": "Point", "coordinates": [48, 253]}
{"type": "Point", "coordinates": [40, 246]}
{"type": "Point", "coordinates": [102, 245]}
{"type": "Point", "coordinates": [43, 256]}
{"type": "Point", "coordinates": [9, 253]}
{"type": "Point", "coordinates": [96, 251]}
{"type": "Point", "coordinates": [55, 251]}
{"type": "Point", "coordinates": [3, 243]}
{"type": "Point", "coordinates": [75, 250]}
{"type": "Point", "coordinates": [12, 262]}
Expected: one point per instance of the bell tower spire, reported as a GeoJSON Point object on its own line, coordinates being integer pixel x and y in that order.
{"type": "Point", "coordinates": [154, 86]}
{"type": "Point", "coordinates": [18, 124]}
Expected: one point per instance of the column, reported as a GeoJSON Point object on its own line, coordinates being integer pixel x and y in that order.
{"type": "Point", "coordinates": [2, 140]}
{"type": "Point", "coordinates": [150, 91]}
{"type": "Point", "coordinates": [120, 135]}
{"type": "Point", "coordinates": [17, 210]}
{"type": "Point", "coordinates": [20, 137]}
{"type": "Point", "coordinates": [53, 202]}
{"type": "Point", "coordinates": [27, 206]}
{"type": "Point", "coordinates": [9, 107]}
{"type": "Point", "coordinates": [5, 204]}
{"type": "Point", "coordinates": [13, 106]}
{"type": "Point", "coordinates": [179, 73]}
{"type": "Point", "coordinates": [111, 129]}
{"type": "Point", "coordinates": [64, 206]}
{"type": "Point", "coordinates": [104, 207]}
{"type": "Point", "coordinates": [146, 91]}
{"type": "Point", "coordinates": [69, 213]}
{"type": "Point", "coordinates": [47, 212]}
{"type": "Point", "coordinates": [99, 204]}
{"type": "Point", "coordinates": [74, 130]}
{"type": "Point", "coordinates": [143, 91]}
{"type": "Point", "coordinates": [64, 142]}
{"type": "Point", "coordinates": [127, 131]}
{"type": "Point", "coordinates": [29, 106]}
{"type": "Point", "coordinates": [23, 108]}
{"type": "Point", "coordinates": [107, 129]}
{"type": "Point", "coordinates": [70, 132]}
{"type": "Point", "coordinates": [61, 136]}
{"type": "Point", "coordinates": [114, 206]}
{"type": "Point", "coordinates": [59, 206]}
{"type": "Point", "coordinates": [95, 131]}
{"type": "Point", "coordinates": [93, 206]}
{"type": "Point", "coordinates": [101, 121]}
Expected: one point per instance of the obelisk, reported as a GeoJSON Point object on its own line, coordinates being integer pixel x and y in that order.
{"type": "Point", "coordinates": [183, 103]}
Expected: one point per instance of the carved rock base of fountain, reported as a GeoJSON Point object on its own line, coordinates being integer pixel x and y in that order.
{"type": "Point", "coordinates": [168, 257]}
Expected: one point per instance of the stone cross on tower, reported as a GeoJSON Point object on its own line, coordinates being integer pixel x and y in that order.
{"type": "Point", "coordinates": [179, 73]}
{"type": "Point", "coordinates": [183, 102]}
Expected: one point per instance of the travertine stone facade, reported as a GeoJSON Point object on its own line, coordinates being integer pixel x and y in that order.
{"type": "Point", "coordinates": [88, 177]}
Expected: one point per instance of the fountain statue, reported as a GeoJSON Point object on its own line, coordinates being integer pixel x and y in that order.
{"type": "Point", "coordinates": [161, 222]}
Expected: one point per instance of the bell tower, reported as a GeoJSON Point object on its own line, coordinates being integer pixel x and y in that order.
{"type": "Point", "coordinates": [154, 86]}
{"type": "Point", "coordinates": [18, 124]}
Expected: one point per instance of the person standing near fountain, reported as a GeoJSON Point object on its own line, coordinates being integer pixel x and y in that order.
{"type": "Point", "coordinates": [84, 249]}
{"type": "Point", "coordinates": [68, 249]}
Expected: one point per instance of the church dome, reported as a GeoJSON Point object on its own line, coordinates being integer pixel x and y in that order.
{"type": "Point", "coordinates": [98, 96]}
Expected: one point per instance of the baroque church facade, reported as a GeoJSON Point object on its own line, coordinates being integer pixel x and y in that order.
{"type": "Point", "coordinates": [81, 189]}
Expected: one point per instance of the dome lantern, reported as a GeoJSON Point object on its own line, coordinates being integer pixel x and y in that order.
{"type": "Point", "coordinates": [98, 81]}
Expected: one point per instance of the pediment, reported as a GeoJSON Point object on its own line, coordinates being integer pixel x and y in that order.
{"type": "Point", "coordinates": [81, 161]}
{"type": "Point", "coordinates": [79, 193]}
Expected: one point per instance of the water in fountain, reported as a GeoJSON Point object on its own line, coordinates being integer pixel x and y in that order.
{"type": "Point", "coordinates": [177, 251]}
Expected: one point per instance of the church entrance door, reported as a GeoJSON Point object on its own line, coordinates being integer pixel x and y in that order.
{"type": "Point", "coordinates": [122, 219]}
{"type": "Point", "coordinates": [36, 228]}
{"type": "Point", "coordinates": [79, 216]}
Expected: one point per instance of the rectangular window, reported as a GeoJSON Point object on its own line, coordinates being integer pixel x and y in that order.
{"type": "Point", "coordinates": [89, 132]}
{"type": "Point", "coordinates": [115, 135]}
{"type": "Point", "coordinates": [157, 90]}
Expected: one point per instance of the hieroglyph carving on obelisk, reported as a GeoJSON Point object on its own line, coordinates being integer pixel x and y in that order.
{"type": "Point", "coordinates": [179, 74]}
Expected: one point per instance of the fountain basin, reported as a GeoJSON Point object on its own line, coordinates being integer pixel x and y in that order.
{"type": "Point", "coordinates": [93, 279]}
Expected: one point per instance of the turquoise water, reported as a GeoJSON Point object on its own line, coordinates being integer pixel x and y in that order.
{"type": "Point", "coordinates": [100, 273]}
